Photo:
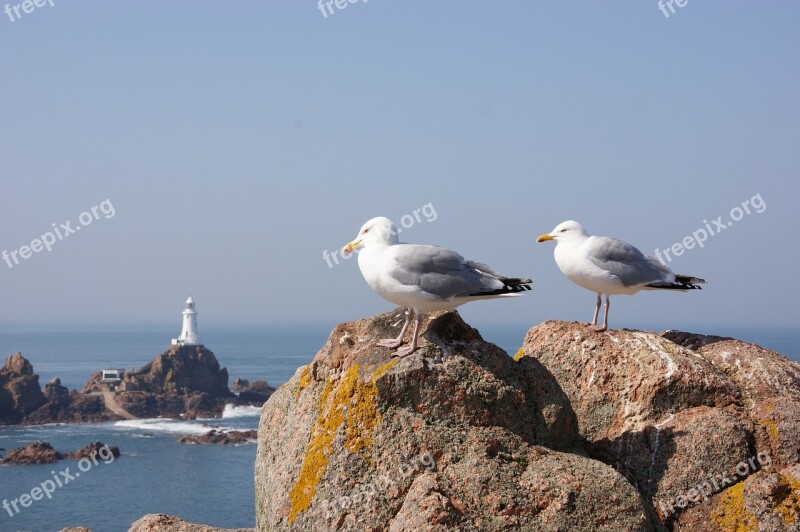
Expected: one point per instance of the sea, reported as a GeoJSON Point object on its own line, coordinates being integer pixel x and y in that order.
{"type": "Point", "coordinates": [208, 484]}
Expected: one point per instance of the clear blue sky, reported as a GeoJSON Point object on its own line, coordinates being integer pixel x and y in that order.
{"type": "Point", "coordinates": [237, 141]}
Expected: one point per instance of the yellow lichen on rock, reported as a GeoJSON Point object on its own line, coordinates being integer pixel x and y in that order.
{"type": "Point", "coordinates": [363, 416]}
{"type": "Point", "coordinates": [519, 354]}
{"type": "Point", "coordinates": [772, 428]}
{"type": "Point", "coordinates": [352, 403]}
{"type": "Point", "coordinates": [731, 515]}
{"type": "Point", "coordinates": [789, 508]}
{"type": "Point", "coordinates": [305, 380]}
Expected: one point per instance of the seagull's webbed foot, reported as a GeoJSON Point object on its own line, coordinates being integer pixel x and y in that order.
{"type": "Point", "coordinates": [400, 353]}
{"type": "Point", "coordinates": [391, 343]}
{"type": "Point", "coordinates": [598, 328]}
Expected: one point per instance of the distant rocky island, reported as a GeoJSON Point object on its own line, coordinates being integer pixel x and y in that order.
{"type": "Point", "coordinates": [185, 381]}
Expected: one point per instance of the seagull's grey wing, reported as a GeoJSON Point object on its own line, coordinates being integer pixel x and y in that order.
{"type": "Point", "coordinates": [442, 272]}
{"type": "Point", "coordinates": [625, 261]}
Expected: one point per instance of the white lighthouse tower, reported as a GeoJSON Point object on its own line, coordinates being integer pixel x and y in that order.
{"type": "Point", "coordinates": [189, 331]}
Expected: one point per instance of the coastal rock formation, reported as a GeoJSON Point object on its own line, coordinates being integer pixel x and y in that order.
{"type": "Point", "coordinates": [683, 416]}
{"type": "Point", "coordinates": [222, 437]}
{"type": "Point", "coordinates": [23, 402]}
{"type": "Point", "coordinates": [20, 393]}
{"type": "Point", "coordinates": [184, 381]}
{"type": "Point", "coordinates": [41, 452]}
{"type": "Point", "coordinates": [455, 436]}
{"type": "Point", "coordinates": [168, 523]}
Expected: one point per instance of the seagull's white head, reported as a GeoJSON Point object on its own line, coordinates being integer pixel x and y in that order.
{"type": "Point", "coordinates": [565, 232]}
{"type": "Point", "coordinates": [376, 231]}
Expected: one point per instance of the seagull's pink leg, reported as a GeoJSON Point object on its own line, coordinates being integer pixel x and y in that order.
{"type": "Point", "coordinates": [605, 315]}
{"type": "Point", "coordinates": [391, 343]}
{"type": "Point", "coordinates": [413, 347]}
{"type": "Point", "coordinates": [596, 310]}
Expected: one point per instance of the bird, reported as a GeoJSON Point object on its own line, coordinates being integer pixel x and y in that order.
{"type": "Point", "coordinates": [608, 266]}
{"type": "Point", "coordinates": [423, 278]}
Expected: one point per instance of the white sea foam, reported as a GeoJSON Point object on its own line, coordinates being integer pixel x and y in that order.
{"type": "Point", "coordinates": [232, 411]}
{"type": "Point", "coordinates": [166, 425]}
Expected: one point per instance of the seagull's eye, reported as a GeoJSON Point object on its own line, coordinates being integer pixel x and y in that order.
{"type": "Point", "coordinates": [563, 230]}
{"type": "Point", "coordinates": [366, 231]}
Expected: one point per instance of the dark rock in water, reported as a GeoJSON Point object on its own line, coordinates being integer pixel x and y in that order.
{"type": "Point", "coordinates": [455, 436]}
{"type": "Point", "coordinates": [38, 452]}
{"type": "Point", "coordinates": [221, 437]}
{"type": "Point", "coordinates": [98, 449]}
{"type": "Point", "coordinates": [41, 452]}
{"type": "Point", "coordinates": [256, 392]}
{"type": "Point", "coordinates": [20, 393]}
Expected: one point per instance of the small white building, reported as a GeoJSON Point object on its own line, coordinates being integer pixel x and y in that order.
{"type": "Point", "coordinates": [189, 331]}
{"type": "Point", "coordinates": [110, 378]}
{"type": "Point", "coordinates": [112, 375]}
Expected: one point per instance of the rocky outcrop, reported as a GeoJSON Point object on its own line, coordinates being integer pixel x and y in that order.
{"type": "Point", "coordinates": [168, 523]}
{"type": "Point", "coordinates": [23, 402]}
{"type": "Point", "coordinates": [220, 437]}
{"type": "Point", "coordinates": [94, 449]}
{"type": "Point", "coordinates": [41, 452]}
{"type": "Point", "coordinates": [20, 393]}
{"type": "Point", "coordinates": [38, 452]}
{"type": "Point", "coordinates": [683, 416]}
{"type": "Point", "coordinates": [455, 436]}
{"type": "Point", "coordinates": [256, 392]}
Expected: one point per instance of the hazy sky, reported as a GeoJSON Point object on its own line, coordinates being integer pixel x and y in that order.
{"type": "Point", "coordinates": [235, 142]}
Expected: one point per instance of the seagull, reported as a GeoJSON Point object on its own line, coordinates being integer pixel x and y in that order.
{"type": "Point", "coordinates": [609, 266]}
{"type": "Point", "coordinates": [423, 278]}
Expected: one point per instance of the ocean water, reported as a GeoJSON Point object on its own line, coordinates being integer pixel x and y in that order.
{"type": "Point", "coordinates": [155, 474]}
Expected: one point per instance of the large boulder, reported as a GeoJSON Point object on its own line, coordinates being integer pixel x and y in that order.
{"type": "Point", "coordinates": [455, 436]}
{"type": "Point", "coordinates": [682, 416]}
{"type": "Point", "coordinates": [169, 523]}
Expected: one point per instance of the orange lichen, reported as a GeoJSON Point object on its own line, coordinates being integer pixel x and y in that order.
{"type": "Point", "coordinates": [304, 381]}
{"type": "Point", "coordinates": [789, 507]}
{"type": "Point", "coordinates": [731, 514]}
{"type": "Point", "coordinates": [363, 416]}
{"type": "Point", "coordinates": [772, 428]}
{"type": "Point", "coordinates": [351, 403]}
{"type": "Point", "coordinates": [520, 353]}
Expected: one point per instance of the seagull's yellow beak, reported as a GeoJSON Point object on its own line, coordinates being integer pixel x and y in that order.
{"type": "Point", "coordinates": [544, 238]}
{"type": "Point", "coordinates": [352, 246]}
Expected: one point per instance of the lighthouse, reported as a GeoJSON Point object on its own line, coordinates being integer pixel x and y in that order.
{"type": "Point", "coordinates": [189, 330]}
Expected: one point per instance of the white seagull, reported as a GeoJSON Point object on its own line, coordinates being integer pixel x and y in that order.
{"type": "Point", "coordinates": [609, 266]}
{"type": "Point", "coordinates": [423, 278]}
